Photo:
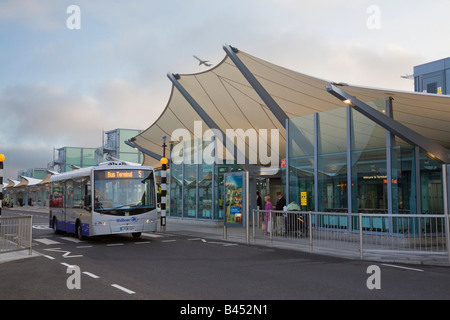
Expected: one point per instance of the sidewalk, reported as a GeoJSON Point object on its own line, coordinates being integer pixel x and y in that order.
{"type": "Point", "coordinates": [214, 230]}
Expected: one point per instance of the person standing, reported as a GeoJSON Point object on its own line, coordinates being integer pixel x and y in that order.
{"type": "Point", "coordinates": [258, 201]}
{"type": "Point", "coordinates": [279, 220]}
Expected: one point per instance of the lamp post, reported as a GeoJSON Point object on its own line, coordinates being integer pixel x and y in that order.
{"type": "Point", "coordinates": [2, 158]}
{"type": "Point", "coordinates": [164, 162]}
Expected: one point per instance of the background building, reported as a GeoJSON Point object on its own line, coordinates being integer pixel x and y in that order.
{"type": "Point", "coordinates": [114, 145]}
{"type": "Point", "coordinates": [65, 158]}
{"type": "Point", "coordinates": [433, 77]}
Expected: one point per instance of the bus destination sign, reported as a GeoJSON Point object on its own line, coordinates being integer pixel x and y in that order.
{"type": "Point", "coordinates": [123, 174]}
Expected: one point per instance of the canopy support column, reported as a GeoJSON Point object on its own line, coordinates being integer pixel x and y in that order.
{"type": "Point", "coordinates": [226, 141]}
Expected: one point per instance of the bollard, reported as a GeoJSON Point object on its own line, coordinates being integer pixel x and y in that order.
{"type": "Point", "coordinates": [164, 162]}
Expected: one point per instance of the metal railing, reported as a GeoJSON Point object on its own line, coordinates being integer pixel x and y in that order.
{"type": "Point", "coordinates": [16, 234]}
{"type": "Point", "coordinates": [363, 232]}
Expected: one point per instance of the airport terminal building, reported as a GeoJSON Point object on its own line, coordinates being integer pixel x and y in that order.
{"type": "Point", "coordinates": [327, 146]}
{"type": "Point", "coordinates": [339, 148]}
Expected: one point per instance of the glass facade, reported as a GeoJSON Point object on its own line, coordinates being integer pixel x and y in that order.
{"type": "Point", "coordinates": [197, 190]}
{"type": "Point", "coordinates": [341, 161]}
{"type": "Point", "coordinates": [115, 145]}
{"type": "Point", "coordinates": [67, 157]}
{"type": "Point", "coordinates": [338, 161]}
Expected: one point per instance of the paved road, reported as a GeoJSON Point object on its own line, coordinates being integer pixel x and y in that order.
{"type": "Point", "coordinates": [179, 267]}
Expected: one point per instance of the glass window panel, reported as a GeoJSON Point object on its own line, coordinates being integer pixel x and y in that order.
{"type": "Point", "coordinates": [301, 136]}
{"type": "Point", "coordinates": [403, 180]}
{"type": "Point", "coordinates": [89, 157]}
{"type": "Point", "coordinates": [205, 192]}
{"type": "Point", "coordinates": [190, 190]}
{"type": "Point", "coordinates": [73, 156]}
{"type": "Point", "coordinates": [431, 184]}
{"type": "Point", "coordinates": [125, 135]}
{"type": "Point", "coordinates": [220, 171]}
{"type": "Point", "coordinates": [301, 182]}
{"type": "Point", "coordinates": [176, 178]}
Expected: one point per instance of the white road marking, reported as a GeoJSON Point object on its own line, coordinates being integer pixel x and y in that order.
{"type": "Point", "coordinates": [91, 275]}
{"type": "Point", "coordinates": [123, 289]}
{"type": "Point", "coordinates": [66, 253]}
{"type": "Point", "coordinates": [66, 264]}
{"type": "Point", "coordinates": [47, 241]}
{"type": "Point", "coordinates": [114, 244]}
{"type": "Point", "coordinates": [400, 267]}
{"type": "Point", "coordinates": [71, 239]}
{"type": "Point", "coordinates": [152, 235]}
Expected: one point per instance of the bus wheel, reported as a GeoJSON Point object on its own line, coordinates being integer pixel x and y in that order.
{"type": "Point", "coordinates": [136, 235]}
{"type": "Point", "coordinates": [78, 230]}
{"type": "Point", "coordinates": [55, 230]}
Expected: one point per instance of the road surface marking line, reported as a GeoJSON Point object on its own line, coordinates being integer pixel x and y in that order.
{"type": "Point", "coordinates": [90, 275]}
{"type": "Point", "coordinates": [47, 241]}
{"type": "Point", "coordinates": [71, 239]}
{"type": "Point", "coordinates": [49, 257]}
{"type": "Point", "coordinates": [168, 240]}
{"type": "Point", "coordinates": [66, 264]}
{"type": "Point", "coordinates": [400, 267]}
{"type": "Point", "coordinates": [152, 235]}
{"type": "Point", "coordinates": [114, 244]}
{"type": "Point", "coordinates": [123, 289]}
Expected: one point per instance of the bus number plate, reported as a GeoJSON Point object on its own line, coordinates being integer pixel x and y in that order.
{"type": "Point", "coordinates": [127, 228]}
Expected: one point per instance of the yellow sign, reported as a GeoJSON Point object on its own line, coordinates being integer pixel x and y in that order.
{"type": "Point", "coordinates": [303, 199]}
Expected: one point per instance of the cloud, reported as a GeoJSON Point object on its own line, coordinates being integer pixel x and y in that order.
{"type": "Point", "coordinates": [36, 118]}
{"type": "Point", "coordinates": [36, 14]}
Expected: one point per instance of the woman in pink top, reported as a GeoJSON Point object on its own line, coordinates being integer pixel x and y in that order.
{"type": "Point", "coordinates": [268, 206]}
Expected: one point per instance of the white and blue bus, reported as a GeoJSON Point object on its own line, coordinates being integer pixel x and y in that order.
{"type": "Point", "coordinates": [111, 198]}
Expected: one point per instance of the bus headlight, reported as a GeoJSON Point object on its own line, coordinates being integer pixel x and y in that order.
{"type": "Point", "coordinates": [147, 221]}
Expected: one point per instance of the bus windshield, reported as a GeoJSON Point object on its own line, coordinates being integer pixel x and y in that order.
{"type": "Point", "coordinates": [124, 191]}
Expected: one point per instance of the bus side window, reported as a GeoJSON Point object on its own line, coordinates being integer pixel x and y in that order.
{"type": "Point", "coordinates": [87, 197]}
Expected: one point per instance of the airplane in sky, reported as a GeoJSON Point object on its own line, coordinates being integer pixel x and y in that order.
{"type": "Point", "coordinates": [205, 62]}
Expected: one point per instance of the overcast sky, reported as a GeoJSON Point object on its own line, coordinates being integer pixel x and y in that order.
{"type": "Point", "coordinates": [61, 86]}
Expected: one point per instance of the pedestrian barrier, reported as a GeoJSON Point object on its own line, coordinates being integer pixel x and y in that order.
{"type": "Point", "coordinates": [16, 234]}
{"type": "Point", "coordinates": [363, 232]}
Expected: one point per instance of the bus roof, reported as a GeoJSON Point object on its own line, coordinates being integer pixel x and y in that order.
{"type": "Point", "coordinates": [86, 172]}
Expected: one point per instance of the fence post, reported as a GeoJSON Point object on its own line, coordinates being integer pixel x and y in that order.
{"type": "Point", "coordinates": [361, 254]}
{"type": "Point", "coordinates": [310, 230]}
{"type": "Point", "coordinates": [247, 227]}
{"type": "Point", "coordinates": [445, 190]}
{"type": "Point", "coordinates": [271, 227]}
{"type": "Point", "coordinates": [30, 252]}
{"type": "Point", "coordinates": [253, 224]}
